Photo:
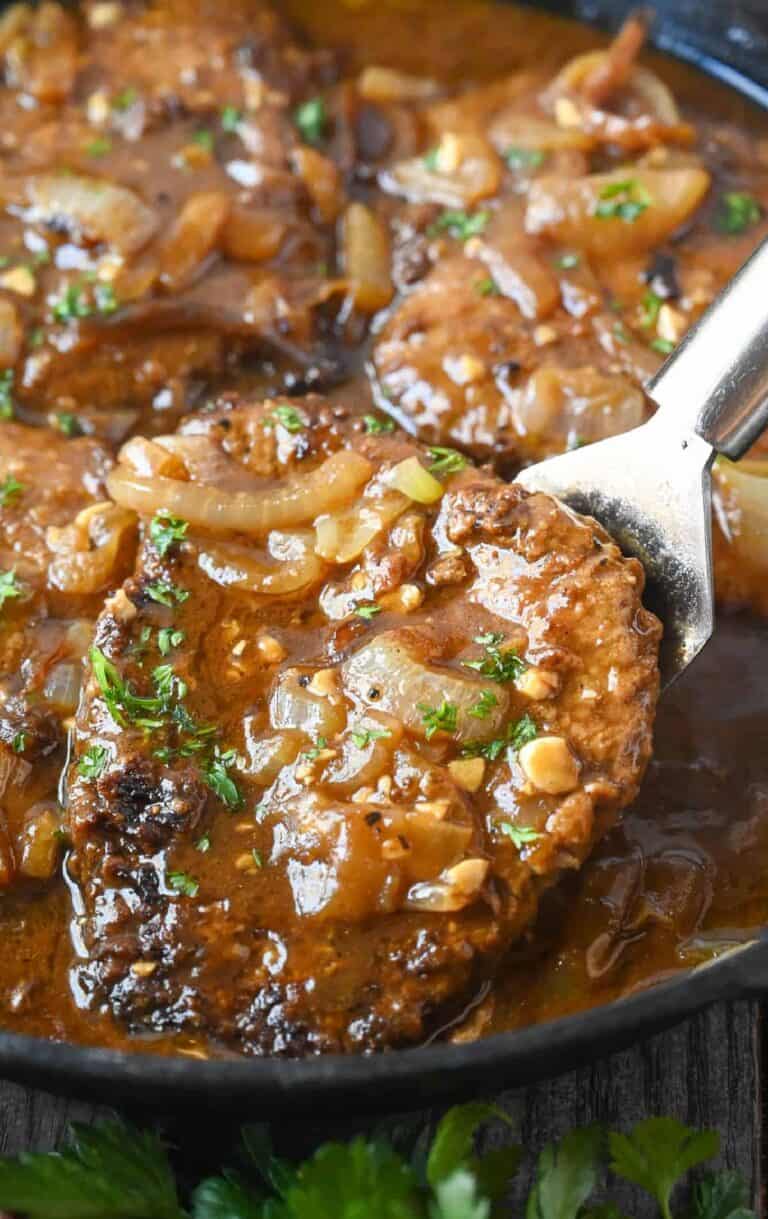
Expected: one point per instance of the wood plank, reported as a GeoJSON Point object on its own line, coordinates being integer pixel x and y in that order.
{"type": "Point", "coordinates": [707, 1073]}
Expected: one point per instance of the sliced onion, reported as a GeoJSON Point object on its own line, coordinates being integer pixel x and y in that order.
{"type": "Point", "coordinates": [744, 490]}
{"type": "Point", "coordinates": [268, 755]}
{"type": "Point", "coordinates": [193, 238]}
{"type": "Point", "coordinates": [343, 536]}
{"type": "Point", "coordinates": [90, 209]}
{"type": "Point", "coordinates": [40, 841]}
{"type": "Point", "coordinates": [463, 170]}
{"type": "Point", "coordinates": [523, 276]}
{"type": "Point", "coordinates": [511, 129]}
{"type": "Point", "coordinates": [11, 334]}
{"type": "Point", "coordinates": [294, 705]}
{"type": "Point", "coordinates": [568, 402]}
{"type": "Point", "coordinates": [387, 674]}
{"type": "Point", "coordinates": [293, 502]}
{"type": "Point", "coordinates": [410, 477]}
{"type": "Point", "coordinates": [365, 243]}
{"type": "Point", "coordinates": [62, 687]}
{"type": "Point", "coordinates": [322, 180]}
{"type": "Point", "coordinates": [253, 236]}
{"type": "Point", "coordinates": [377, 84]}
{"type": "Point", "coordinates": [90, 551]}
{"type": "Point", "coordinates": [457, 888]}
{"type": "Point", "coordinates": [294, 567]}
{"type": "Point", "coordinates": [359, 765]}
{"type": "Point", "coordinates": [567, 210]}
{"type": "Point", "coordinates": [151, 457]}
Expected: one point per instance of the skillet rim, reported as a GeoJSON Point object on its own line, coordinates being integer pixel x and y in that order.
{"type": "Point", "coordinates": [414, 1076]}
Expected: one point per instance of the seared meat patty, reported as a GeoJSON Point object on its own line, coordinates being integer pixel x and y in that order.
{"type": "Point", "coordinates": [358, 706]}
{"type": "Point", "coordinates": [61, 545]}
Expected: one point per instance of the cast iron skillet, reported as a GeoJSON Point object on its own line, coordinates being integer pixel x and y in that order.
{"type": "Point", "coordinates": [730, 41]}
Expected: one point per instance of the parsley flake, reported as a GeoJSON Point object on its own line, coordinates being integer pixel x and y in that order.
{"type": "Point", "coordinates": [230, 118]}
{"type": "Point", "coordinates": [665, 346]}
{"type": "Point", "coordinates": [374, 426]}
{"type": "Point", "coordinates": [737, 211]}
{"type": "Point", "coordinates": [521, 835]}
{"type": "Point", "coordinates": [652, 303]}
{"type": "Point", "coordinates": [364, 737]}
{"type": "Point", "coordinates": [217, 776]}
{"type": "Point", "coordinates": [524, 158]}
{"type": "Point", "coordinates": [99, 147]}
{"type": "Point", "coordinates": [204, 139]}
{"type": "Point", "coordinates": [431, 158]}
{"type": "Point", "coordinates": [166, 594]}
{"type": "Point", "coordinates": [458, 224]}
{"type": "Point", "coordinates": [10, 489]}
{"type": "Point", "coordinates": [183, 883]}
{"type": "Point", "coordinates": [19, 742]}
{"type": "Point", "coordinates": [6, 394]}
{"type": "Point", "coordinates": [624, 200]}
{"type": "Point", "coordinates": [203, 844]}
{"type": "Point", "coordinates": [568, 261]}
{"type": "Point", "coordinates": [311, 119]}
{"type": "Point", "coordinates": [484, 705]}
{"type": "Point", "coordinates": [125, 99]}
{"type": "Point", "coordinates": [518, 734]}
{"type": "Point", "coordinates": [166, 530]}
{"type": "Point", "coordinates": [122, 703]}
{"type": "Point", "coordinates": [487, 287]}
{"type": "Point", "coordinates": [501, 665]}
{"type": "Point", "coordinates": [446, 461]}
{"type": "Point", "coordinates": [288, 417]}
{"type": "Point", "coordinates": [366, 612]}
{"type": "Point", "coordinates": [9, 587]}
{"type": "Point", "coordinates": [168, 638]}
{"type": "Point", "coordinates": [69, 424]}
{"type": "Point", "coordinates": [258, 858]}
{"type": "Point", "coordinates": [93, 763]}
{"type": "Point", "coordinates": [438, 719]}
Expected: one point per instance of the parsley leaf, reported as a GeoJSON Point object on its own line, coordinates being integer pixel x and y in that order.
{"type": "Point", "coordinates": [377, 427]}
{"type": "Point", "coordinates": [94, 761]}
{"type": "Point", "coordinates": [521, 835]}
{"type": "Point", "coordinates": [568, 261]}
{"type": "Point", "coordinates": [71, 305]}
{"type": "Point", "coordinates": [518, 733]}
{"type": "Point", "coordinates": [566, 1175]}
{"type": "Point", "coordinates": [217, 776]}
{"type": "Point", "coordinates": [438, 719]}
{"type": "Point", "coordinates": [6, 394]}
{"type": "Point", "coordinates": [122, 703]}
{"type": "Point", "coordinates": [111, 1170]}
{"type": "Point", "coordinates": [204, 139]}
{"type": "Point", "coordinates": [624, 200]}
{"type": "Point", "coordinates": [721, 1196]}
{"type": "Point", "coordinates": [524, 158]}
{"type": "Point", "coordinates": [69, 424]}
{"type": "Point", "coordinates": [166, 530]}
{"type": "Point", "coordinates": [431, 158]}
{"type": "Point", "coordinates": [10, 488]}
{"type": "Point", "coordinates": [183, 883]}
{"type": "Point", "coordinates": [228, 1198]}
{"type": "Point", "coordinates": [737, 211]}
{"type": "Point", "coordinates": [658, 1152]}
{"type": "Point", "coordinates": [344, 1179]}
{"type": "Point", "coordinates": [458, 224]}
{"type": "Point", "coordinates": [167, 683]}
{"type": "Point", "coordinates": [366, 612]}
{"type": "Point", "coordinates": [501, 665]}
{"type": "Point", "coordinates": [453, 1145]}
{"type": "Point", "coordinates": [446, 461]}
{"type": "Point", "coordinates": [166, 594]}
{"type": "Point", "coordinates": [125, 99]}
{"type": "Point", "coordinates": [364, 737]}
{"type": "Point", "coordinates": [665, 346]}
{"type": "Point", "coordinates": [99, 147]}
{"type": "Point", "coordinates": [230, 118]}
{"type": "Point", "coordinates": [457, 1198]}
{"type": "Point", "coordinates": [288, 417]}
{"type": "Point", "coordinates": [311, 119]}
{"type": "Point", "coordinates": [484, 705]}
{"type": "Point", "coordinates": [487, 287]}
{"type": "Point", "coordinates": [19, 742]}
{"type": "Point", "coordinates": [168, 638]}
{"type": "Point", "coordinates": [9, 588]}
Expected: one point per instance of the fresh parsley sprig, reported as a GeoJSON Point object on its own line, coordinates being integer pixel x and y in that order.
{"type": "Point", "coordinates": [114, 1171]}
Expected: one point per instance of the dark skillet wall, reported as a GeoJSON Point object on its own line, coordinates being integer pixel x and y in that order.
{"type": "Point", "coordinates": [733, 31]}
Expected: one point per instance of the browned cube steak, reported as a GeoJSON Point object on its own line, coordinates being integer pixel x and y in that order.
{"type": "Point", "coordinates": [341, 730]}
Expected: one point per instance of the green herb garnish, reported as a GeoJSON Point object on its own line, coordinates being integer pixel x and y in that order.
{"type": "Point", "coordinates": [438, 719]}
{"type": "Point", "coordinates": [183, 883]}
{"type": "Point", "coordinates": [204, 139]}
{"type": "Point", "coordinates": [446, 461]}
{"type": "Point", "coordinates": [651, 308]}
{"type": "Point", "coordinates": [517, 734]}
{"type": "Point", "coordinates": [99, 147]}
{"type": "Point", "coordinates": [458, 224]}
{"type": "Point", "coordinates": [484, 705]}
{"type": "Point", "coordinates": [94, 761]}
{"type": "Point", "coordinates": [624, 200]}
{"type": "Point", "coordinates": [230, 118]}
{"type": "Point", "coordinates": [6, 394]}
{"type": "Point", "coordinates": [500, 665]}
{"type": "Point", "coordinates": [123, 703]}
{"type": "Point", "coordinates": [364, 737]}
{"type": "Point", "coordinates": [168, 684]}
{"type": "Point", "coordinates": [125, 99]}
{"type": "Point", "coordinates": [374, 426]}
{"type": "Point", "coordinates": [431, 158]}
{"type": "Point", "coordinates": [568, 260]}
{"type": "Point", "coordinates": [10, 489]}
{"type": "Point", "coordinates": [166, 594]}
{"type": "Point", "coordinates": [203, 844]}
{"type": "Point", "coordinates": [9, 587]}
{"type": "Point", "coordinates": [524, 158]}
{"type": "Point", "coordinates": [166, 531]}
{"type": "Point", "coordinates": [71, 305]}
{"type": "Point", "coordinates": [737, 211]}
{"type": "Point", "coordinates": [217, 776]}
{"type": "Point", "coordinates": [288, 417]}
{"type": "Point", "coordinates": [521, 835]}
{"type": "Point", "coordinates": [487, 287]}
{"type": "Point", "coordinates": [69, 424]}
{"type": "Point", "coordinates": [665, 346]}
{"type": "Point", "coordinates": [168, 638]}
{"type": "Point", "coordinates": [366, 612]}
{"type": "Point", "coordinates": [19, 742]}
{"type": "Point", "coordinates": [311, 119]}
{"type": "Point", "coordinates": [257, 857]}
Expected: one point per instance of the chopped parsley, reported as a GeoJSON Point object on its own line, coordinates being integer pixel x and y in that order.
{"type": "Point", "coordinates": [257, 858]}
{"type": "Point", "coordinates": [166, 530]}
{"type": "Point", "coordinates": [652, 303]}
{"type": "Point", "coordinates": [93, 763]}
{"type": "Point", "coordinates": [6, 394]}
{"type": "Point", "coordinates": [311, 119]}
{"type": "Point", "coordinates": [624, 200]}
{"type": "Point", "coordinates": [99, 147]}
{"type": "Point", "coordinates": [203, 844]}
{"type": "Point", "coordinates": [10, 489]}
{"type": "Point", "coordinates": [366, 612]}
{"type": "Point", "coordinates": [71, 305]}
{"type": "Point", "coordinates": [9, 587]}
{"type": "Point", "coordinates": [521, 835]}
{"type": "Point", "coordinates": [166, 594]}
{"type": "Point", "coordinates": [289, 417]}
{"type": "Point", "coordinates": [518, 734]}
{"type": "Point", "coordinates": [217, 776]}
{"type": "Point", "coordinates": [183, 883]}
{"type": "Point", "coordinates": [125, 99]}
{"type": "Point", "coordinates": [367, 735]}
{"type": "Point", "coordinates": [168, 684]}
{"type": "Point", "coordinates": [204, 139]}
{"type": "Point", "coordinates": [36, 338]}
{"type": "Point", "coordinates": [737, 211]}
{"type": "Point", "coordinates": [69, 424]}
{"type": "Point", "coordinates": [431, 157]}
{"type": "Point", "coordinates": [438, 719]}
{"type": "Point", "coordinates": [484, 705]}
{"type": "Point", "coordinates": [19, 742]}
{"type": "Point", "coordinates": [311, 755]}
{"type": "Point", "coordinates": [446, 461]}
{"type": "Point", "coordinates": [459, 224]}
{"type": "Point", "coordinates": [104, 298]}
{"type": "Point", "coordinates": [377, 427]}
{"type": "Point", "coordinates": [620, 332]}
{"type": "Point", "coordinates": [487, 287]}
{"type": "Point", "coordinates": [499, 665]}
{"type": "Point", "coordinates": [568, 260]}
{"type": "Point", "coordinates": [524, 158]}
{"type": "Point", "coordinates": [230, 118]}
{"type": "Point", "coordinates": [123, 703]}
{"type": "Point", "coordinates": [665, 346]}
{"type": "Point", "coordinates": [168, 638]}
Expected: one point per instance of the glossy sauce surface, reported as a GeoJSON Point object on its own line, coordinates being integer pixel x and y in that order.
{"type": "Point", "coordinates": [682, 878]}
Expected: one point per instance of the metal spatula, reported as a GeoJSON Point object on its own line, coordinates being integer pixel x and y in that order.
{"type": "Point", "coordinates": [651, 488]}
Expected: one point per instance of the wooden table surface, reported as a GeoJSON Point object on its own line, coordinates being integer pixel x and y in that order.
{"type": "Point", "coordinates": [706, 1072]}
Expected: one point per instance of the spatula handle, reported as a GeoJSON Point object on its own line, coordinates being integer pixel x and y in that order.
{"type": "Point", "coordinates": [716, 382]}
